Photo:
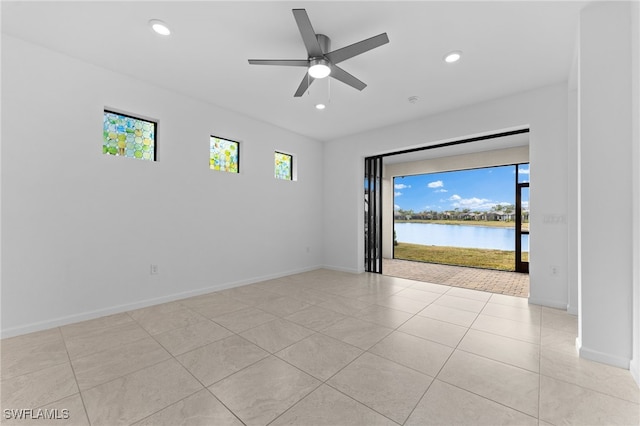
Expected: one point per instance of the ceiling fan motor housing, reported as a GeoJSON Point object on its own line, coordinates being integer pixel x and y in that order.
{"type": "Point", "coordinates": [325, 43]}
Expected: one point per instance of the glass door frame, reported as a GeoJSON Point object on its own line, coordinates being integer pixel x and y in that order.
{"type": "Point", "coordinates": [520, 265]}
{"type": "Point", "coordinates": [373, 214]}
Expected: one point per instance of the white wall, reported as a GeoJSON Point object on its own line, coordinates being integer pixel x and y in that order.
{"type": "Point", "coordinates": [573, 201]}
{"type": "Point", "coordinates": [635, 165]}
{"type": "Point", "coordinates": [606, 194]}
{"type": "Point", "coordinates": [544, 111]}
{"type": "Point", "coordinates": [80, 229]}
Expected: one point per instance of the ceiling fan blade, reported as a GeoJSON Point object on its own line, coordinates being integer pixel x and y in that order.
{"type": "Point", "coordinates": [355, 49]}
{"type": "Point", "coordinates": [308, 34]}
{"type": "Point", "coordinates": [340, 74]}
{"type": "Point", "coordinates": [304, 85]}
{"type": "Point", "coordinates": [284, 62]}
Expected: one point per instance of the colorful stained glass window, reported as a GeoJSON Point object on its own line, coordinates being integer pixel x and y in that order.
{"type": "Point", "coordinates": [283, 166]}
{"type": "Point", "coordinates": [224, 155]}
{"type": "Point", "coordinates": [128, 136]}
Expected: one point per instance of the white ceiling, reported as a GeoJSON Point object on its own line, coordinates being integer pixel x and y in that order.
{"type": "Point", "coordinates": [507, 47]}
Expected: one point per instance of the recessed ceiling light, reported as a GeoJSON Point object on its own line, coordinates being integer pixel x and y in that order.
{"type": "Point", "coordinates": [320, 106]}
{"type": "Point", "coordinates": [159, 27]}
{"type": "Point", "coordinates": [453, 57]}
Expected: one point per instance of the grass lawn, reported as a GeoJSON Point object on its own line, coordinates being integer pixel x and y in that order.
{"type": "Point", "coordinates": [479, 258]}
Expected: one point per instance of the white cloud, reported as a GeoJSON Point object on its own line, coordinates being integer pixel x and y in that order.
{"type": "Point", "coordinates": [401, 186]}
{"type": "Point", "coordinates": [473, 203]}
{"type": "Point", "coordinates": [435, 184]}
{"type": "Point", "coordinates": [396, 207]}
{"type": "Point", "coordinates": [397, 193]}
{"type": "Point", "coordinates": [523, 171]}
{"type": "Point", "coordinates": [440, 190]}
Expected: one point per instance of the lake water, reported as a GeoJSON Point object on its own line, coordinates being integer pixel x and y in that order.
{"type": "Point", "coordinates": [486, 237]}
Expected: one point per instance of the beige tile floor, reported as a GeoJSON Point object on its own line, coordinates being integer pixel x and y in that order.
{"type": "Point", "coordinates": [319, 348]}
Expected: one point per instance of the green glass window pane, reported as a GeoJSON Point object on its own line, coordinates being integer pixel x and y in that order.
{"type": "Point", "coordinates": [283, 166]}
{"type": "Point", "coordinates": [128, 136]}
{"type": "Point", "coordinates": [224, 155]}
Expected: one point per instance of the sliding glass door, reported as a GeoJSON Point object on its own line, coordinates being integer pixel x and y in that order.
{"type": "Point", "coordinates": [373, 214]}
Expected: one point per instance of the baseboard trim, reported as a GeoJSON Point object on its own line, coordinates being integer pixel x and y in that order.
{"type": "Point", "coordinates": [341, 269]}
{"type": "Point", "coordinates": [634, 367]}
{"type": "Point", "coordinates": [604, 358]}
{"type": "Point", "coordinates": [548, 303]}
{"type": "Point", "coordinates": [573, 310]}
{"type": "Point", "coordinates": [84, 316]}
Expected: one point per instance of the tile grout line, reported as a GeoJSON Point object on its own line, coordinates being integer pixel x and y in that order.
{"type": "Point", "coordinates": [540, 366]}
{"type": "Point", "coordinates": [84, 405]}
{"type": "Point", "coordinates": [355, 287]}
{"type": "Point", "coordinates": [435, 377]}
{"type": "Point", "coordinates": [474, 393]}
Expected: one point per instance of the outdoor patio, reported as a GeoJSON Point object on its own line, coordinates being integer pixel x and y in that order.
{"type": "Point", "coordinates": [510, 283]}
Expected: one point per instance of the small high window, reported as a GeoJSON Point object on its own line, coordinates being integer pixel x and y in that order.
{"type": "Point", "coordinates": [224, 155]}
{"type": "Point", "coordinates": [283, 166]}
{"type": "Point", "coordinates": [128, 136]}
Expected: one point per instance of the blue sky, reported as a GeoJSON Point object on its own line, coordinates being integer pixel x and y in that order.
{"type": "Point", "coordinates": [477, 189]}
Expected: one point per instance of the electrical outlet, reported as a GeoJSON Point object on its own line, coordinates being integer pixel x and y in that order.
{"type": "Point", "coordinates": [554, 219]}
{"type": "Point", "coordinates": [154, 269]}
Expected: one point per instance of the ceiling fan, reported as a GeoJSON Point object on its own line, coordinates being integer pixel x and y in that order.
{"type": "Point", "coordinates": [321, 62]}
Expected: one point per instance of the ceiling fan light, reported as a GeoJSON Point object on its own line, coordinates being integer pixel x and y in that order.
{"type": "Point", "coordinates": [319, 68]}
{"type": "Point", "coordinates": [159, 27]}
{"type": "Point", "coordinates": [320, 106]}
